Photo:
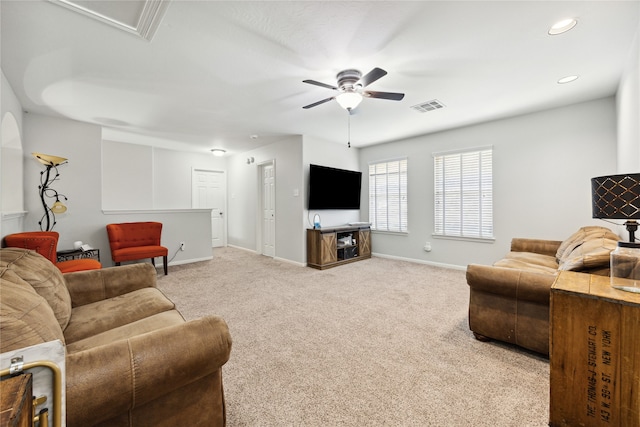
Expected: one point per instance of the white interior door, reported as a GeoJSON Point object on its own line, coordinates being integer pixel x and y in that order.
{"type": "Point", "coordinates": [268, 210]}
{"type": "Point", "coordinates": [209, 192]}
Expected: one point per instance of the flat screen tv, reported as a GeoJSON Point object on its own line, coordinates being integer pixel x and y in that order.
{"type": "Point", "coordinates": [331, 188]}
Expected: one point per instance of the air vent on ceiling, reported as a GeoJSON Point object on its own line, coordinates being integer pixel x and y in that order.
{"type": "Point", "coordinates": [428, 106]}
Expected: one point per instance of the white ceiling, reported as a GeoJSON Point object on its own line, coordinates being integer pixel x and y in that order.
{"type": "Point", "coordinates": [217, 72]}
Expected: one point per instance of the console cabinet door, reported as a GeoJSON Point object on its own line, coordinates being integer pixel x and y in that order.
{"type": "Point", "coordinates": [364, 243]}
{"type": "Point", "coordinates": [328, 253]}
{"type": "Point", "coordinates": [321, 248]}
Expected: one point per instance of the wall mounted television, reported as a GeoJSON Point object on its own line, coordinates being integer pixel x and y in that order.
{"type": "Point", "coordinates": [331, 188]}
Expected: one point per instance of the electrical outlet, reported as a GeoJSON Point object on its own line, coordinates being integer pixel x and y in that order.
{"type": "Point", "coordinates": [182, 246]}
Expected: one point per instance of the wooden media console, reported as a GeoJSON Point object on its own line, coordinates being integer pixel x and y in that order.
{"type": "Point", "coordinates": [333, 246]}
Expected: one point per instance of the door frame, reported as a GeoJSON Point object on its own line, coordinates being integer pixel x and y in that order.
{"type": "Point", "coordinates": [260, 202]}
{"type": "Point", "coordinates": [224, 190]}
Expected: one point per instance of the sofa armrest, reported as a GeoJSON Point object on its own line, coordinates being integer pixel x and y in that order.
{"type": "Point", "coordinates": [86, 287]}
{"type": "Point", "coordinates": [109, 380]}
{"type": "Point", "coordinates": [538, 246]}
{"type": "Point", "coordinates": [510, 282]}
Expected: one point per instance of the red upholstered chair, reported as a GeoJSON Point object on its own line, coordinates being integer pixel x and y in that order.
{"type": "Point", "coordinates": [131, 241]}
{"type": "Point", "coordinates": [46, 244]}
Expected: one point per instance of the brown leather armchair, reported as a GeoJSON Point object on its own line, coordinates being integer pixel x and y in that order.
{"type": "Point", "coordinates": [509, 301]}
{"type": "Point", "coordinates": [131, 359]}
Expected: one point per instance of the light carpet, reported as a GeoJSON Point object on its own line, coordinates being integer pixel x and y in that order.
{"type": "Point", "coordinates": [377, 342]}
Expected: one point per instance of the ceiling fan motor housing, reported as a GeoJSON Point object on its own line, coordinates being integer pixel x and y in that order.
{"type": "Point", "coordinates": [347, 79]}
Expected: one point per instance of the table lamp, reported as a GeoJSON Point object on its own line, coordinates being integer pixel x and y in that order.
{"type": "Point", "coordinates": [618, 197]}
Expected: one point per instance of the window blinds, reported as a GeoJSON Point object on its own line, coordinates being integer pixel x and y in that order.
{"type": "Point", "coordinates": [464, 194]}
{"type": "Point", "coordinates": [388, 195]}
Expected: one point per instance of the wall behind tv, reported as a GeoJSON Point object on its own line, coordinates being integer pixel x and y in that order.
{"type": "Point", "coordinates": [335, 155]}
{"type": "Point", "coordinates": [543, 163]}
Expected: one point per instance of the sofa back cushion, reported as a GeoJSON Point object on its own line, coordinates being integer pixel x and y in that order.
{"type": "Point", "coordinates": [25, 317]}
{"type": "Point", "coordinates": [44, 277]}
{"type": "Point", "coordinates": [590, 247]}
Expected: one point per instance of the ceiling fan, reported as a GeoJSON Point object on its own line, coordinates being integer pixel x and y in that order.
{"type": "Point", "coordinates": [351, 86]}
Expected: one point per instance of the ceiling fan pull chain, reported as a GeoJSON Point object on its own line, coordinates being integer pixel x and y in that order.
{"type": "Point", "coordinates": [349, 128]}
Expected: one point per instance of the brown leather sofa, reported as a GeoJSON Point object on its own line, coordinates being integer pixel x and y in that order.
{"type": "Point", "coordinates": [509, 301]}
{"type": "Point", "coordinates": [131, 359]}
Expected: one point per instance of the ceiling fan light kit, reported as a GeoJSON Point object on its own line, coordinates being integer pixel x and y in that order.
{"type": "Point", "coordinates": [349, 100]}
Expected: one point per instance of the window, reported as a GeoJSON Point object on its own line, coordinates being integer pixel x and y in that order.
{"type": "Point", "coordinates": [388, 195]}
{"type": "Point", "coordinates": [464, 194]}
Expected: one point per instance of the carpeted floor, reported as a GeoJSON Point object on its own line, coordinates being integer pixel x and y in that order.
{"type": "Point", "coordinates": [374, 343]}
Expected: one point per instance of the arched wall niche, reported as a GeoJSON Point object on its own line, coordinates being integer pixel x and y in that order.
{"type": "Point", "coordinates": [11, 166]}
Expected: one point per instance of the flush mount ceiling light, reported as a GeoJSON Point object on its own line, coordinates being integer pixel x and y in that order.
{"type": "Point", "coordinates": [218, 152]}
{"type": "Point", "coordinates": [562, 26]}
{"type": "Point", "coordinates": [567, 79]}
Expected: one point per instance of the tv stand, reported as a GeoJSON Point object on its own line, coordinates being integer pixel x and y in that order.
{"type": "Point", "coordinates": [333, 246]}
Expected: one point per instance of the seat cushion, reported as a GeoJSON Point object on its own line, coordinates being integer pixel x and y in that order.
{"type": "Point", "coordinates": [78, 265]}
{"type": "Point", "coordinates": [142, 326]}
{"type": "Point", "coordinates": [26, 318]}
{"type": "Point", "coordinates": [95, 318]}
{"type": "Point", "coordinates": [529, 261]}
{"type": "Point", "coordinates": [138, 252]}
{"type": "Point", "coordinates": [43, 276]}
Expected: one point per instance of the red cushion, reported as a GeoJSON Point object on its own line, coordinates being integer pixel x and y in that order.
{"type": "Point", "coordinates": [140, 252]}
{"type": "Point", "coordinates": [78, 265]}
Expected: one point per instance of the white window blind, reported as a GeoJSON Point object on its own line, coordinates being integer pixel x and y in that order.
{"type": "Point", "coordinates": [464, 194]}
{"type": "Point", "coordinates": [388, 195]}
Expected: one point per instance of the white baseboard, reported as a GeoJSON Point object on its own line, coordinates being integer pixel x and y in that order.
{"type": "Point", "coordinates": [186, 261]}
{"type": "Point", "coordinates": [288, 261]}
{"type": "Point", "coordinates": [420, 261]}
{"type": "Point", "coordinates": [300, 264]}
{"type": "Point", "coordinates": [244, 249]}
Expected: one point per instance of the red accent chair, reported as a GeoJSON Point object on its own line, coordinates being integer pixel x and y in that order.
{"type": "Point", "coordinates": [46, 244]}
{"type": "Point", "coordinates": [131, 241]}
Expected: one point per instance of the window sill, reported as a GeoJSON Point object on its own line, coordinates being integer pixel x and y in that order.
{"type": "Point", "coordinates": [397, 233]}
{"type": "Point", "coordinates": [465, 239]}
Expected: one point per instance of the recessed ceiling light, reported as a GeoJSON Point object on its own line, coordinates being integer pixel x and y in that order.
{"type": "Point", "coordinates": [567, 79]}
{"type": "Point", "coordinates": [218, 152]}
{"type": "Point", "coordinates": [562, 26]}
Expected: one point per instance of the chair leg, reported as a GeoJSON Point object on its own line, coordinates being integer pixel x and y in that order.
{"type": "Point", "coordinates": [117, 264]}
{"type": "Point", "coordinates": [164, 264]}
{"type": "Point", "coordinates": [153, 261]}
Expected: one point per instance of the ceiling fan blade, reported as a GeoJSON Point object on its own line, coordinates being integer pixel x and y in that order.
{"type": "Point", "coordinates": [313, 82]}
{"type": "Point", "coordinates": [319, 102]}
{"type": "Point", "coordinates": [393, 96]}
{"type": "Point", "coordinates": [371, 77]}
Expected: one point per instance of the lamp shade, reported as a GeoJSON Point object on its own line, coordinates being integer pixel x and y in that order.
{"type": "Point", "coordinates": [49, 160]}
{"type": "Point", "coordinates": [58, 207]}
{"type": "Point", "coordinates": [616, 196]}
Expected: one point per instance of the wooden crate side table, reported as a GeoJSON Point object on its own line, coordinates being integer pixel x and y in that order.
{"type": "Point", "coordinates": [16, 402]}
{"type": "Point", "coordinates": [594, 353]}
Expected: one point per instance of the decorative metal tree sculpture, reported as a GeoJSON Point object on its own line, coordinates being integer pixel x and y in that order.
{"type": "Point", "coordinates": [46, 179]}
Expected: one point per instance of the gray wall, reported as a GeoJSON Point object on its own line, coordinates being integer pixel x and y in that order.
{"type": "Point", "coordinates": [628, 103]}
{"type": "Point", "coordinates": [542, 165]}
{"type": "Point", "coordinates": [244, 216]}
{"type": "Point", "coordinates": [82, 182]}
